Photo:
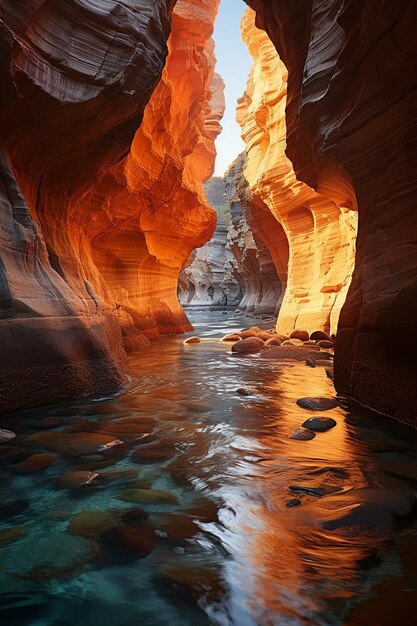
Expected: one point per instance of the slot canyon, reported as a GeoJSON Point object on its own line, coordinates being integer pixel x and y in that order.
{"type": "Point", "coordinates": [208, 312]}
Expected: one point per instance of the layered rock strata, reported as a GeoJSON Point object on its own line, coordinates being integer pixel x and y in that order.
{"type": "Point", "coordinates": [351, 133]}
{"type": "Point", "coordinates": [258, 245]}
{"type": "Point", "coordinates": [320, 232]}
{"type": "Point", "coordinates": [207, 280]}
{"type": "Point", "coordinates": [97, 216]}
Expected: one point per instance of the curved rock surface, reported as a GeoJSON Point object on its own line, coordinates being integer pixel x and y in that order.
{"type": "Point", "coordinates": [97, 216]}
{"type": "Point", "coordinates": [320, 232]}
{"type": "Point", "coordinates": [258, 245]}
{"type": "Point", "coordinates": [351, 129]}
{"type": "Point", "coordinates": [207, 280]}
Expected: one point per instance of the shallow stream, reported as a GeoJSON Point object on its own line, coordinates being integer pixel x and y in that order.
{"type": "Point", "coordinates": [187, 522]}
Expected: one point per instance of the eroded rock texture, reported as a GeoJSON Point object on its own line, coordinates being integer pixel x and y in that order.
{"type": "Point", "coordinates": [258, 245]}
{"type": "Point", "coordinates": [207, 280]}
{"type": "Point", "coordinates": [97, 216]}
{"type": "Point", "coordinates": [351, 132]}
{"type": "Point", "coordinates": [319, 232]}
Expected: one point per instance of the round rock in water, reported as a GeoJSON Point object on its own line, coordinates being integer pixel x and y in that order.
{"type": "Point", "coordinates": [290, 504]}
{"type": "Point", "coordinates": [301, 434]}
{"type": "Point", "coordinates": [317, 404]}
{"type": "Point", "coordinates": [319, 424]}
{"type": "Point", "coordinates": [191, 341]}
{"type": "Point", "coordinates": [6, 435]}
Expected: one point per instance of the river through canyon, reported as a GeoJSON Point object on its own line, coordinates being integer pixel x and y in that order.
{"type": "Point", "coordinates": [170, 503]}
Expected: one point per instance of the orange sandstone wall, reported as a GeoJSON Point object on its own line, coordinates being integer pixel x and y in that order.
{"type": "Point", "coordinates": [96, 216]}
{"type": "Point", "coordinates": [352, 133]}
{"type": "Point", "coordinates": [320, 232]}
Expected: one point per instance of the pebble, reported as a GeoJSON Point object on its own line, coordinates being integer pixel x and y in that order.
{"type": "Point", "coordinates": [319, 424]}
{"type": "Point", "coordinates": [308, 491]}
{"type": "Point", "coordinates": [292, 503]}
{"type": "Point", "coordinates": [317, 404]}
{"type": "Point", "coordinates": [301, 434]}
{"type": "Point", "coordinates": [191, 340]}
{"type": "Point", "coordinates": [319, 335]}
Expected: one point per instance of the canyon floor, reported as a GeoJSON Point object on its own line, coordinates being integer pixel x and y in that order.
{"type": "Point", "coordinates": [181, 501]}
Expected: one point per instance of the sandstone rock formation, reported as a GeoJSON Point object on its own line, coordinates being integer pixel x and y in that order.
{"type": "Point", "coordinates": [351, 132]}
{"type": "Point", "coordinates": [97, 217]}
{"type": "Point", "coordinates": [258, 245]}
{"type": "Point", "coordinates": [320, 232]}
{"type": "Point", "coordinates": [207, 280]}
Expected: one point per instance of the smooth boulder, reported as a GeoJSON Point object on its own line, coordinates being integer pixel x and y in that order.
{"type": "Point", "coordinates": [317, 403]}
{"type": "Point", "coordinates": [319, 424]}
{"type": "Point", "coordinates": [251, 345]}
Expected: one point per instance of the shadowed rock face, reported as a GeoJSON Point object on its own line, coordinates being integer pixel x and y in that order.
{"type": "Point", "coordinates": [97, 217]}
{"type": "Point", "coordinates": [258, 245]}
{"type": "Point", "coordinates": [206, 280]}
{"type": "Point", "coordinates": [351, 133]}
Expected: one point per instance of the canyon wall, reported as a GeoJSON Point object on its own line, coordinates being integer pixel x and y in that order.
{"type": "Point", "coordinates": [258, 245]}
{"type": "Point", "coordinates": [101, 189]}
{"type": "Point", "coordinates": [206, 280]}
{"type": "Point", "coordinates": [351, 132]}
{"type": "Point", "coordinates": [319, 232]}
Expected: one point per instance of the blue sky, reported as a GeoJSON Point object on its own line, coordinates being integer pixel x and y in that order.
{"type": "Point", "coordinates": [233, 64]}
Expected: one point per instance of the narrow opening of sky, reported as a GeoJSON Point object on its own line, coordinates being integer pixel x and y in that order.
{"type": "Point", "coordinates": [233, 64]}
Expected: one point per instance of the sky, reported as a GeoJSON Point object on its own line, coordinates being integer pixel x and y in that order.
{"type": "Point", "coordinates": [233, 64]}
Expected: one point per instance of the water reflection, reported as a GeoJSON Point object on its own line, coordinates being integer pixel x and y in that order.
{"type": "Point", "coordinates": [185, 521]}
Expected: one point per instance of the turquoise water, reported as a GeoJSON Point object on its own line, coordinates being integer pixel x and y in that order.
{"type": "Point", "coordinates": [198, 532]}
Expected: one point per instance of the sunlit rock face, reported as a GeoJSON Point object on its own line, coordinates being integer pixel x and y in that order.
{"type": "Point", "coordinates": [351, 132]}
{"type": "Point", "coordinates": [258, 245]}
{"type": "Point", "coordinates": [206, 280]}
{"type": "Point", "coordinates": [319, 232]}
{"type": "Point", "coordinates": [97, 217]}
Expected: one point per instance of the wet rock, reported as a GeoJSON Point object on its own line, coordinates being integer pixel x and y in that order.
{"type": "Point", "coordinates": [274, 341]}
{"type": "Point", "coordinates": [326, 344]}
{"type": "Point", "coordinates": [93, 524]}
{"type": "Point", "coordinates": [319, 335]}
{"type": "Point", "coordinates": [360, 520]}
{"type": "Point", "coordinates": [243, 392]}
{"type": "Point", "coordinates": [197, 406]}
{"type": "Point", "coordinates": [127, 430]}
{"type": "Point", "coordinates": [290, 504]}
{"type": "Point", "coordinates": [287, 352]}
{"type": "Point", "coordinates": [35, 463]}
{"type": "Point", "coordinates": [74, 480]}
{"type": "Point", "coordinates": [176, 528]}
{"type": "Point", "coordinates": [150, 496]}
{"type": "Point", "coordinates": [319, 424]}
{"type": "Point", "coordinates": [193, 582]}
{"type": "Point", "coordinates": [308, 491]}
{"type": "Point", "coordinates": [154, 452]}
{"type": "Point", "coordinates": [317, 403]}
{"type": "Point", "coordinates": [11, 455]}
{"type": "Point", "coordinates": [247, 334]}
{"type": "Point", "coordinates": [252, 345]}
{"type": "Point", "coordinates": [265, 335]}
{"type": "Point", "coordinates": [51, 555]}
{"type": "Point", "coordinates": [302, 335]}
{"type": "Point", "coordinates": [6, 435]}
{"type": "Point", "coordinates": [117, 475]}
{"type": "Point", "coordinates": [134, 516]}
{"type": "Point", "coordinates": [192, 340]}
{"type": "Point", "coordinates": [232, 337]}
{"type": "Point", "coordinates": [10, 535]}
{"type": "Point", "coordinates": [73, 444]}
{"type": "Point", "coordinates": [301, 434]}
{"type": "Point", "coordinates": [12, 508]}
{"type": "Point", "coordinates": [139, 540]}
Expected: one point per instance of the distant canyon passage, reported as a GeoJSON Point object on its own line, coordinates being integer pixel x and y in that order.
{"type": "Point", "coordinates": [108, 116]}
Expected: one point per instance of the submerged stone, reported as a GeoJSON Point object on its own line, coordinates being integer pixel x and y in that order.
{"type": "Point", "coordinates": [360, 520]}
{"type": "Point", "coordinates": [154, 452]}
{"type": "Point", "coordinates": [308, 491]}
{"type": "Point", "coordinates": [73, 444]}
{"type": "Point", "coordinates": [74, 480]}
{"type": "Point", "coordinates": [13, 507]}
{"type": "Point", "coordinates": [319, 424]}
{"type": "Point", "coordinates": [151, 496]}
{"type": "Point", "coordinates": [35, 463]}
{"type": "Point", "coordinates": [317, 404]}
{"type": "Point", "coordinates": [290, 504]}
